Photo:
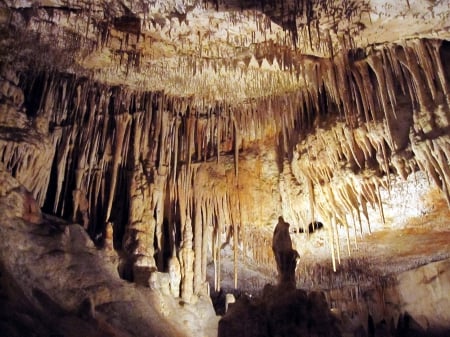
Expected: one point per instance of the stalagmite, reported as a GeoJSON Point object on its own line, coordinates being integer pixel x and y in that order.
{"type": "Point", "coordinates": [186, 253]}
{"type": "Point", "coordinates": [198, 237]}
{"type": "Point", "coordinates": [174, 274]}
{"type": "Point", "coordinates": [216, 254]}
{"type": "Point", "coordinates": [235, 254]}
{"type": "Point", "coordinates": [187, 262]}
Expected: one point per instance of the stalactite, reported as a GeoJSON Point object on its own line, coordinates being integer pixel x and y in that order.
{"type": "Point", "coordinates": [160, 176]}
{"type": "Point", "coordinates": [370, 140]}
{"type": "Point", "coordinates": [363, 203]}
{"type": "Point", "coordinates": [190, 139]}
{"type": "Point", "coordinates": [60, 138]}
{"type": "Point", "coordinates": [342, 194]}
{"type": "Point", "coordinates": [311, 199]}
{"type": "Point", "coordinates": [435, 48]}
{"type": "Point", "coordinates": [121, 127]}
{"type": "Point", "coordinates": [358, 96]}
{"type": "Point", "coordinates": [219, 225]}
{"type": "Point", "coordinates": [218, 132]}
{"type": "Point", "coordinates": [424, 60]}
{"type": "Point", "coordinates": [389, 72]}
{"type": "Point", "coordinates": [236, 147]}
{"type": "Point", "coordinates": [433, 158]}
{"type": "Point", "coordinates": [205, 239]}
{"type": "Point", "coordinates": [331, 242]}
{"type": "Point", "coordinates": [367, 89]}
{"type": "Point", "coordinates": [378, 68]}
{"type": "Point", "coordinates": [419, 86]}
{"type": "Point", "coordinates": [176, 147]}
{"type": "Point", "coordinates": [380, 203]}
{"type": "Point", "coordinates": [347, 232]}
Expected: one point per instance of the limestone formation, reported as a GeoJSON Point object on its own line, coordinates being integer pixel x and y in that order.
{"type": "Point", "coordinates": [175, 133]}
{"type": "Point", "coordinates": [285, 256]}
{"type": "Point", "coordinates": [229, 299]}
{"type": "Point", "coordinates": [174, 276]}
{"type": "Point", "coordinates": [54, 279]}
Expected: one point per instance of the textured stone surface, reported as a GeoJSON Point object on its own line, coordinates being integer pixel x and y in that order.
{"type": "Point", "coordinates": [424, 293]}
{"type": "Point", "coordinates": [55, 281]}
{"type": "Point", "coordinates": [280, 312]}
{"type": "Point", "coordinates": [177, 132]}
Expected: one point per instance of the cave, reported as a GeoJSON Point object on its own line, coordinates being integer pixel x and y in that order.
{"type": "Point", "coordinates": [205, 168]}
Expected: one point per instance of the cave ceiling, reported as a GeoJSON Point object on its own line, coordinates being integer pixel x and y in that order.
{"type": "Point", "coordinates": [211, 50]}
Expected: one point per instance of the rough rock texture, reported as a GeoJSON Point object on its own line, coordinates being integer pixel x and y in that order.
{"type": "Point", "coordinates": [280, 312]}
{"type": "Point", "coordinates": [177, 132]}
{"type": "Point", "coordinates": [53, 280]}
{"type": "Point", "coordinates": [412, 303]}
{"type": "Point", "coordinates": [424, 295]}
{"type": "Point", "coordinates": [152, 165]}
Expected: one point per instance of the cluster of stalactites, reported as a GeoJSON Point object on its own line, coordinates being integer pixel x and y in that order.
{"type": "Point", "coordinates": [314, 26]}
{"type": "Point", "coordinates": [129, 160]}
{"type": "Point", "coordinates": [395, 110]}
{"type": "Point", "coordinates": [23, 151]}
{"type": "Point", "coordinates": [114, 46]}
{"type": "Point", "coordinates": [117, 150]}
{"type": "Point", "coordinates": [371, 117]}
{"type": "Point", "coordinates": [209, 218]}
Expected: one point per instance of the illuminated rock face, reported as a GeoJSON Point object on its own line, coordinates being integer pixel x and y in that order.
{"type": "Point", "coordinates": [165, 178]}
{"type": "Point", "coordinates": [176, 133]}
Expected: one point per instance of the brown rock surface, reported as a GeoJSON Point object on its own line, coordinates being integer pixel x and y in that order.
{"type": "Point", "coordinates": [176, 132]}
{"type": "Point", "coordinates": [55, 281]}
{"type": "Point", "coordinates": [280, 312]}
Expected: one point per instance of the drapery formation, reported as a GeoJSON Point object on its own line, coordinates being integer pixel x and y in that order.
{"type": "Point", "coordinates": [179, 177]}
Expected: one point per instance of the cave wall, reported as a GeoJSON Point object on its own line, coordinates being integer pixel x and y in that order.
{"type": "Point", "coordinates": [413, 302]}
{"type": "Point", "coordinates": [158, 172]}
